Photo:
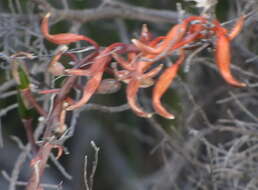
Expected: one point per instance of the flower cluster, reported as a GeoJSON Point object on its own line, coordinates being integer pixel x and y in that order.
{"type": "Point", "coordinates": [134, 63]}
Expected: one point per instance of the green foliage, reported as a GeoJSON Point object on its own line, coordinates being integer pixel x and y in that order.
{"type": "Point", "coordinates": [24, 112]}
{"type": "Point", "coordinates": [23, 79]}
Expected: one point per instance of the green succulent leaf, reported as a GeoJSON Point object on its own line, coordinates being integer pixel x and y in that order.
{"type": "Point", "coordinates": [24, 79]}
{"type": "Point", "coordinates": [24, 112]}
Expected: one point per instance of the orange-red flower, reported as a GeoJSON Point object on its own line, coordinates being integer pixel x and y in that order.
{"type": "Point", "coordinates": [176, 37]}
{"type": "Point", "coordinates": [163, 84]}
{"type": "Point", "coordinates": [63, 38]}
{"type": "Point", "coordinates": [95, 72]}
{"type": "Point", "coordinates": [180, 36]}
{"type": "Point", "coordinates": [135, 61]}
{"type": "Point", "coordinates": [223, 51]}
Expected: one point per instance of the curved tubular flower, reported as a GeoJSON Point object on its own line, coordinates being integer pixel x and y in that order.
{"type": "Point", "coordinates": [223, 53]}
{"type": "Point", "coordinates": [152, 73]}
{"type": "Point", "coordinates": [63, 38]}
{"type": "Point", "coordinates": [237, 28]}
{"type": "Point", "coordinates": [139, 80]}
{"type": "Point", "coordinates": [174, 36]}
{"type": "Point", "coordinates": [146, 80]}
{"type": "Point", "coordinates": [122, 75]}
{"type": "Point", "coordinates": [156, 40]}
{"type": "Point", "coordinates": [132, 65]}
{"type": "Point", "coordinates": [151, 50]}
{"type": "Point", "coordinates": [50, 91]}
{"type": "Point", "coordinates": [131, 92]}
{"type": "Point", "coordinates": [162, 85]}
{"type": "Point", "coordinates": [55, 67]}
{"type": "Point", "coordinates": [223, 59]}
{"type": "Point", "coordinates": [145, 36]}
{"type": "Point", "coordinates": [96, 72]}
{"type": "Point", "coordinates": [122, 62]}
{"type": "Point", "coordinates": [187, 40]}
{"type": "Point", "coordinates": [94, 82]}
{"type": "Point", "coordinates": [132, 57]}
{"type": "Point", "coordinates": [78, 72]}
{"type": "Point", "coordinates": [90, 88]}
{"type": "Point", "coordinates": [106, 52]}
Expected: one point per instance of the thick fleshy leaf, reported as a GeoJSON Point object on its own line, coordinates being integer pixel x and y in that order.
{"type": "Point", "coordinates": [24, 81]}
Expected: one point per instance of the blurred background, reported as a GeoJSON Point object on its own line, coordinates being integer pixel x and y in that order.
{"type": "Point", "coordinates": [212, 143]}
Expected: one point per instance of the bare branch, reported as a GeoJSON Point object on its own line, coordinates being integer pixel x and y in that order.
{"type": "Point", "coordinates": [88, 180]}
{"type": "Point", "coordinates": [1, 134]}
{"type": "Point", "coordinates": [22, 183]}
{"type": "Point", "coordinates": [112, 9]}
{"type": "Point", "coordinates": [108, 109]}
